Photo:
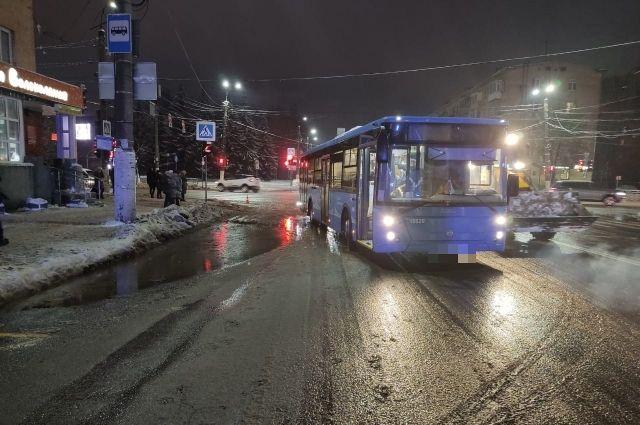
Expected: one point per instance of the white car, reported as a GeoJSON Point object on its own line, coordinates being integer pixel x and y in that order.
{"type": "Point", "coordinates": [242, 182]}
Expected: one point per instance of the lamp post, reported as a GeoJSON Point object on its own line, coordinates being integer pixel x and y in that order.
{"type": "Point", "coordinates": [226, 85]}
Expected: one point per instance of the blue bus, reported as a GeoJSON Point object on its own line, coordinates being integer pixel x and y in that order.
{"type": "Point", "coordinates": [428, 185]}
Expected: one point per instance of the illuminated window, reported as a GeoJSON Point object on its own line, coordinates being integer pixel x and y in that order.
{"type": "Point", "coordinates": [10, 140]}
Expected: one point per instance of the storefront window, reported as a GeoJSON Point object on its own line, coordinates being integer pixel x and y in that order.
{"type": "Point", "coordinates": [9, 130]}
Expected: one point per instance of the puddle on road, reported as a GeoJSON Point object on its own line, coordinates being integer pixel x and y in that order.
{"type": "Point", "coordinates": [203, 251]}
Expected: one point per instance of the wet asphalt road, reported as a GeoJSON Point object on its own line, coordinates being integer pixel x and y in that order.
{"type": "Point", "coordinates": [307, 333]}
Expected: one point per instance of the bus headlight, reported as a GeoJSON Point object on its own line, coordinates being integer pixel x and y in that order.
{"type": "Point", "coordinates": [391, 236]}
{"type": "Point", "coordinates": [388, 220]}
{"type": "Point", "coordinates": [500, 220]}
{"type": "Point", "coordinates": [499, 234]}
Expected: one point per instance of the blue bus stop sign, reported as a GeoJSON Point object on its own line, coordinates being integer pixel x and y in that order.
{"type": "Point", "coordinates": [119, 33]}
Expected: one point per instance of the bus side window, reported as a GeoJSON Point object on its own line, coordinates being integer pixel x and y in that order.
{"type": "Point", "coordinates": [335, 179]}
{"type": "Point", "coordinates": [350, 169]}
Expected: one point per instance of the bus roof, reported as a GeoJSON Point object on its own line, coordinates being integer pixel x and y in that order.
{"type": "Point", "coordinates": [356, 131]}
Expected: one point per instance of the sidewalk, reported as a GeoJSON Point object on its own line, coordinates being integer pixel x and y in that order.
{"type": "Point", "coordinates": [53, 244]}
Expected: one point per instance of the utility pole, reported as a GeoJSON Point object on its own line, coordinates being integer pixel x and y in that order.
{"type": "Point", "coordinates": [225, 104]}
{"type": "Point", "coordinates": [547, 146]}
{"type": "Point", "coordinates": [102, 111]}
{"type": "Point", "coordinates": [125, 159]}
{"type": "Point", "coordinates": [156, 156]}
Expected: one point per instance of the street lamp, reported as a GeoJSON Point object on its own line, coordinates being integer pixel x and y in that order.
{"type": "Point", "coordinates": [550, 88]}
{"type": "Point", "coordinates": [305, 119]}
{"type": "Point", "coordinates": [238, 85]}
{"type": "Point", "coordinates": [226, 84]}
{"type": "Point", "coordinates": [113, 5]}
{"type": "Point", "coordinates": [313, 131]}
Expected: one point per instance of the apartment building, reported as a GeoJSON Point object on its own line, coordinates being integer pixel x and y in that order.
{"type": "Point", "coordinates": [28, 100]}
{"type": "Point", "coordinates": [541, 101]}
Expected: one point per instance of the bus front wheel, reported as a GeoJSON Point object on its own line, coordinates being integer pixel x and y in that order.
{"type": "Point", "coordinates": [347, 231]}
{"type": "Point", "coordinates": [310, 212]}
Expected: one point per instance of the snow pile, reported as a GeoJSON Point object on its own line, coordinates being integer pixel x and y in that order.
{"type": "Point", "coordinates": [545, 204]}
{"type": "Point", "coordinates": [36, 204]}
{"type": "Point", "coordinates": [77, 204]}
{"type": "Point", "coordinates": [71, 256]}
{"type": "Point", "coordinates": [243, 220]}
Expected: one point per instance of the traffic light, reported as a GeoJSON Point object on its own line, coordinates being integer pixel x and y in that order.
{"type": "Point", "coordinates": [222, 162]}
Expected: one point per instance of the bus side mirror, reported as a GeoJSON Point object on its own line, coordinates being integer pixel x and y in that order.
{"type": "Point", "coordinates": [513, 185]}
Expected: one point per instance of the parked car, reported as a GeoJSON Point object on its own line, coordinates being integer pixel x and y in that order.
{"type": "Point", "coordinates": [589, 191]}
{"type": "Point", "coordinates": [242, 182]}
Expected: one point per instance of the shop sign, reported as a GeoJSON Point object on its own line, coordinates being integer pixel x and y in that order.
{"type": "Point", "coordinates": [40, 86]}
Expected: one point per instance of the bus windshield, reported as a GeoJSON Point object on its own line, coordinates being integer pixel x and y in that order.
{"type": "Point", "coordinates": [434, 173]}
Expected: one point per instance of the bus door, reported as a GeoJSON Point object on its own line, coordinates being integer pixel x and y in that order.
{"type": "Point", "coordinates": [326, 170]}
{"type": "Point", "coordinates": [366, 192]}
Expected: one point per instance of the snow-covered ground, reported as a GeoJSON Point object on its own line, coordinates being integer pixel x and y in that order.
{"type": "Point", "coordinates": [50, 245]}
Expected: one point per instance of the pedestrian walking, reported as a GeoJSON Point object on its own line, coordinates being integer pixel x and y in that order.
{"type": "Point", "coordinates": [176, 185]}
{"type": "Point", "coordinates": [112, 180]}
{"type": "Point", "coordinates": [3, 241]}
{"type": "Point", "coordinates": [170, 188]}
{"type": "Point", "coordinates": [152, 180]}
{"type": "Point", "coordinates": [183, 178]}
{"type": "Point", "coordinates": [98, 183]}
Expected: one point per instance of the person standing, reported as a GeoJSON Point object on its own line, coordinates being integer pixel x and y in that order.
{"type": "Point", "coordinates": [169, 188]}
{"type": "Point", "coordinates": [152, 180]}
{"type": "Point", "coordinates": [3, 241]}
{"type": "Point", "coordinates": [98, 185]}
{"type": "Point", "coordinates": [111, 180]}
{"type": "Point", "coordinates": [183, 178]}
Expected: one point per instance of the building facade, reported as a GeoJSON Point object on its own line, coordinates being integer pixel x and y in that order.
{"type": "Point", "coordinates": [541, 102]}
{"type": "Point", "coordinates": [618, 146]}
{"type": "Point", "coordinates": [35, 110]}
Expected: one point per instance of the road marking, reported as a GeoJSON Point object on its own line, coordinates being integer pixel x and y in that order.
{"type": "Point", "coordinates": [622, 259]}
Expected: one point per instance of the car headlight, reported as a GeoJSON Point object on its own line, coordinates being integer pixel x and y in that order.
{"type": "Point", "coordinates": [391, 236]}
{"type": "Point", "coordinates": [500, 220]}
{"type": "Point", "coordinates": [621, 193]}
{"type": "Point", "coordinates": [388, 220]}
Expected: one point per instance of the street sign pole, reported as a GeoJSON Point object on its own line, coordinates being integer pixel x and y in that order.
{"type": "Point", "coordinates": [120, 43]}
{"type": "Point", "coordinates": [206, 179]}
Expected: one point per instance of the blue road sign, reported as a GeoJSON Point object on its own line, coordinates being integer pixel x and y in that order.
{"type": "Point", "coordinates": [206, 131]}
{"type": "Point", "coordinates": [119, 33]}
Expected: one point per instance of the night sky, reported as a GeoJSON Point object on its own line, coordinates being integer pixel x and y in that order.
{"type": "Point", "coordinates": [265, 39]}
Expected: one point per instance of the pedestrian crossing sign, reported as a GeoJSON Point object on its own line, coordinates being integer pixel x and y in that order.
{"type": "Point", "coordinates": [206, 131]}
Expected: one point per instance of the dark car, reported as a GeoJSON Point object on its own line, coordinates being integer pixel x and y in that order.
{"type": "Point", "coordinates": [589, 191]}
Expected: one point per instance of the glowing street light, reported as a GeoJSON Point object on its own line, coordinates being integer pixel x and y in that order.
{"type": "Point", "coordinates": [313, 131]}
{"type": "Point", "coordinates": [113, 5]}
{"type": "Point", "coordinates": [550, 88]}
{"type": "Point", "coordinates": [315, 138]}
{"type": "Point", "coordinates": [238, 85]}
{"type": "Point", "coordinates": [512, 139]}
{"type": "Point", "coordinates": [304, 119]}
{"type": "Point", "coordinates": [519, 165]}
{"type": "Point", "coordinates": [535, 92]}
{"type": "Point", "coordinates": [226, 84]}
